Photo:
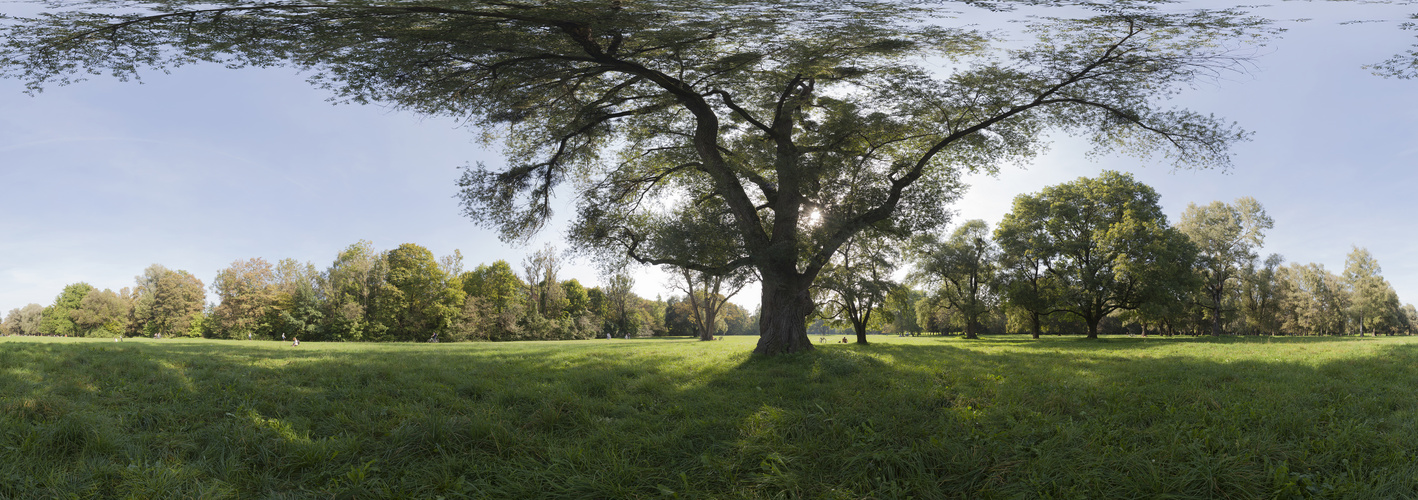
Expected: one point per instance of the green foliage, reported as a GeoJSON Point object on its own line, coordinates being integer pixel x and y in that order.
{"type": "Point", "coordinates": [57, 318]}
{"type": "Point", "coordinates": [578, 303]}
{"type": "Point", "coordinates": [1105, 244]}
{"type": "Point", "coordinates": [903, 417]}
{"type": "Point", "coordinates": [901, 302]}
{"type": "Point", "coordinates": [168, 302]}
{"type": "Point", "coordinates": [351, 285]}
{"type": "Point", "coordinates": [785, 127]}
{"type": "Point", "coordinates": [1226, 237]}
{"type": "Point", "coordinates": [679, 318]}
{"type": "Point", "coordinates": [853, 288]}
{"type": "Point", "coordinates": [24, 321]}
{"type": "Point", "coordinates": [103, 313]}
{"type": "Point", "coordinates": [404, 295]}
{"type": "Point", "coordinates": [962, 270]}
{"type": "Point", "coordinates": [418, 298]}
{"type": "Point", "coordinates": [1313, 300]}
{"type": "Point", "coordinates": [1373, 304]}
{"type": "Point", "coordinates": [1260, 296]}
{"type": "Point", "coordinates": [497, 283]}
{"type": "Point", "coordinates": [246, 293]}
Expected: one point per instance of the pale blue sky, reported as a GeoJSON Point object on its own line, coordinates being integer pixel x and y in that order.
{"type": "Point", "coordinates": [199, 168]}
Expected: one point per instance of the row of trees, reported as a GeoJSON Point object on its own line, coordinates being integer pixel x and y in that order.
{"type": "Point", "coordinates": [163, 302]}
{"type": "Point", "coordinates": [404, 294]}
{"type": "Point", "coordinates": [1097, 254]}
{"type": "Point", "coordinates": [780, 130]}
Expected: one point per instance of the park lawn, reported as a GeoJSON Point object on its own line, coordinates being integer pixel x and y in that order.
{"type": "Point", "coordinates": [924, 417]}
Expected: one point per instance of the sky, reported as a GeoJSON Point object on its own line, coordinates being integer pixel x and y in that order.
{"type": "Point", "coordinates": [205, 166]}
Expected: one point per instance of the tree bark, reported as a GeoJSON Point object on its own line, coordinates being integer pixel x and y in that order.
{"type": "Point", "coordinates": [861, 328]}
{"type": "Point", "coordinates": [782, 321]}
{"type": "Point", "coordinates": [711, 315]}
{"type": "Point", "coordinates": [1034, 317]}
{"type": "Point", "coordinates": [1216, 312]}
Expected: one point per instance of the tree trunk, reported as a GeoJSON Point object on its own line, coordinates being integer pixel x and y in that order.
{"type": "Point", "coordinates": [861, 328]}
{"type": "Point", "coordinates": [970, 329]}
{"type": "Point", "coordinates": [783, 313]}
{"type": "Point", "coordinates": [706, 329]}
{"type": "Point", "coordinates": [1093, 327]}
{"type": "Point", "coordinates": [1034, 316]}
{"type": "Point", "coordinates": [1216, 313]}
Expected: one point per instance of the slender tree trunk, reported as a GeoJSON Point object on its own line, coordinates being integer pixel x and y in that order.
{"type": "Point", "coordinates": [1216, 312]}
{"type": "Point", "coordinates": [1034, 319]}
{"type": "Point", "coordinates": [782, 321]}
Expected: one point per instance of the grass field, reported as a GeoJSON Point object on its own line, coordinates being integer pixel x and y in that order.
{"type": "Point", "coordinates": [902, 418]}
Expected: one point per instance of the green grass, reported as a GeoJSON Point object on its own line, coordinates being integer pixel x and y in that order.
{"type": "Point", "coordinates": [902, 418]}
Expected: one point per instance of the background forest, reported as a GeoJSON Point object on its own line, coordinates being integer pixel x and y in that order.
{"type": "Point", "coordinates": [1094, 256]}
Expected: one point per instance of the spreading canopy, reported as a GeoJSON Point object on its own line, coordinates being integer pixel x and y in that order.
{"type": "Point", "coordinates": [1104, 243]}
{"type": "Point", "coordinates": [786, 126]}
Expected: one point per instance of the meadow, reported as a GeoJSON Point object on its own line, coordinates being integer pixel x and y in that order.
{"type": "Point", "coordinates": [924, 417]}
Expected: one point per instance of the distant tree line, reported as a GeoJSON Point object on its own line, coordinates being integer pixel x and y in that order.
{"type": "Point", "coordinates": [1097, 255]}
{"type": "Point", "coordinates": [1092, 256]}
{"type": "Point", "coordinates": [404, 294]}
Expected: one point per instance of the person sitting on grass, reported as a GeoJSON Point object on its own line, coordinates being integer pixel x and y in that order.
{"type": "Point", "coordinates": [296, 343]}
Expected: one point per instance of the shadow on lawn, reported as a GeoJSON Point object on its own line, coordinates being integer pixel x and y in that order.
{"type": "Point", "coordinates": [613, 420]}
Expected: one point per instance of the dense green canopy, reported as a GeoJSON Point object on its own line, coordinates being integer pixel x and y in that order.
{"type": "Point", "coordinates": [786, 126]}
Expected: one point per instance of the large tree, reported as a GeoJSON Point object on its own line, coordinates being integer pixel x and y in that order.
{"type": "Point", "coordinates": [418, 298]}
{"type": "Point", "coordinates": [1106, 243]}
{"type": "Point", "coordinates": [1226, 237]}
{"type": "Point", "coordinates": [797, 123]}
{"type": "Point", "coordinates": [545, 296]}
{"type": "Point", "coordinates": [103, 312]}
{"type": "Point", "coordinates": [1313, 300]}
{"type": "Point", "coordinates": [1025, 255]}
{"type": "Point", "coordinates": [1373, 303]}
{"type": "Point", "coordinates": [620, 303]}
{"type": "Point", "coordinates": [58, 317]}
{"type": "Point", "coordinates": [854, 286]}
{"type": "Point", "coordinates": [495, 295]}
{"type": "Point", "coordinates": [246, 289]}
{"type": "Point", "coordinates": [961, 269]}
{"type": "Point", "coordinates": [296, 304]}
{"type": "Point", "coordinates": [24, 321]}
{"type": "Point", "coordinates": [167, 302]}
{"type": "Point", "coordinates": [1260, 298]}
{"type": "Point", "coordinates": [351, 285]}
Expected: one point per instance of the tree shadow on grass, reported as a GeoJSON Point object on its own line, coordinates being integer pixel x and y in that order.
{"type": "Point", "coordinates": [699, 420]}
